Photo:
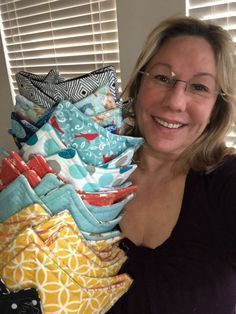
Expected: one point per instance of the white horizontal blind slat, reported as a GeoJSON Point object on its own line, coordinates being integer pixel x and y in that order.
{"type": "Point", "coordinates": [74, 36]}
{"type": "Point", "coordinates": [219, 12]}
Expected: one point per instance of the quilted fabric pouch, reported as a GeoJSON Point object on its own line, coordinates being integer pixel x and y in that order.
{"type": "Point", "coordinates": [25, 82]}
{"type": "Point", "coordinates": [45, 142]}
{"type": "Point", "coordinates": [98, 199]}
{"type": "Point", "coordinates": [48, 183]}
{"type": "Point", "coordinates": [13, 165]}
{"type": "Point", "coordinates": [44, 118]}
{"type": "Point", "coordinates": [110, 256]}
{"type": "Point", "coordinates": [21, 129]}
{"type": "Point", "coordinates": [91, 236]}
{"type": "Point", "coordinates": [52, 76]}
{"type": "Point", "coordinates": [28, 109]}
{"type": "Point", "coordinates": [42, 168]}
{"type": "Point", "coordinates": [108, 197]}
{"type": "Point", "coordinates": [101, 107]}
{"type": "Point", "coordinates": [68, 165]}
{"type": "Point", "coordinates": [3, 288]}
{"type": "Point", "coordinates": [48, 94]}
{"type": "Point", "coordinates": [97, 102]}
{"type": "Point", "coordinates": [78, 300]}
{"type": "Point", "coordinates": [16, 196]}
{"type": "Point", "coordinates": [104, 213]}
{"type": "Point", "coordinates": [109, 212]}
{"type": "Point", "coordinates": [16, 160]}
{"type": "Point", "coordinates": [92, 141]}
{"type": "Point", "coordinates": [122, 160]}
{"type": "Point", "coordinates": [39, 165]}
{"type": "Point", "coordinates": [27, 217]}
{"type": "Point", "coordinates": [31, 176]}
{"type": "Point", "coordinates": [82, 262]}
{"type": "Point", "coordinates": [66, 197]}
{"type": "Point", "coordinates": [64, 217]}
{"type": "Point", "coordinates": [24, 301]}
{"type": "Point", "coordinates": [28, 236]}
{"type": "Point", "coordinates": [111, 120]}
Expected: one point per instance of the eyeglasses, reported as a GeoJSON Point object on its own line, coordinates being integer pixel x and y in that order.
{"type": "Point", "coordinates": [199, 87]}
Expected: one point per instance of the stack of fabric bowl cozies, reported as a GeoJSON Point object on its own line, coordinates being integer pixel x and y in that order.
{"type": "Point", "coordinates": [62, 195]}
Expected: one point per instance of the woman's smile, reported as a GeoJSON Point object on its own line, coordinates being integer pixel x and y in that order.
{"type": "Point", "coordinates": [168, 125]}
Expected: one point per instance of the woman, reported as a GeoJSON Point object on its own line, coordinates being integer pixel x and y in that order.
{"type": "Point", "coordinates": [180, 230]}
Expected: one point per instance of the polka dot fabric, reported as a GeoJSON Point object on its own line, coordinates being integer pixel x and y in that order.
{"type": "Point", "coordinates": [68, 165]}
{"type": "Point", "coordinates": [24, 301]}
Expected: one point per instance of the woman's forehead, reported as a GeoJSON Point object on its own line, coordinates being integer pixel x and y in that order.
{"type": "Point", "coordinates": [185, 52]}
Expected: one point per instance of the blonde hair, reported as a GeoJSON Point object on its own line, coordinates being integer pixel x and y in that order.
{"type": "Point", "coordinates": [209, 149]}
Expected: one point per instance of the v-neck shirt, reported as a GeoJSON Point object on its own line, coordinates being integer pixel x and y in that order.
{"type": "Point", "coordinates": [194, 270]}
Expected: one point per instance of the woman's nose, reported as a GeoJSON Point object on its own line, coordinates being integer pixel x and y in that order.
{"type": "Point", "coordinates": [176, 97]}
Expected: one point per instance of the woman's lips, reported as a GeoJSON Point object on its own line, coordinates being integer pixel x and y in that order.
{"type": "Point", "coordinates": [169, 125]}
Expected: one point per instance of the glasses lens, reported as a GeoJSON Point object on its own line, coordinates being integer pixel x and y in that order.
{"type": "Point", "coordinates": [202, 85]}
{"type": "Point", "coordinates": [161, 76]}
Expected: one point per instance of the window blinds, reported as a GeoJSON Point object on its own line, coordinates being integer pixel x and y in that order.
{"type": "Point", "coordinates": [74, 36]}
{"type": "Point", "coordinates": [222, 13]}
{"type": "Point", "coordinates": [219, 12]}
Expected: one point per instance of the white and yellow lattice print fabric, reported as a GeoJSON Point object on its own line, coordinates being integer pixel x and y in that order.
{"type": "Point", "coordinates": [54, 258]}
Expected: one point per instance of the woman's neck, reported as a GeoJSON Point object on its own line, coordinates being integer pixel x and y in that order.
{"type": "Point", "coordinates": [150, 161]}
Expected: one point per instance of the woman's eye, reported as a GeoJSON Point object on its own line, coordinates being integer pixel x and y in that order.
{"type": "Point", "coordinates": [199, 88]}
{"type": "Point", "coordinates": [160, 78]}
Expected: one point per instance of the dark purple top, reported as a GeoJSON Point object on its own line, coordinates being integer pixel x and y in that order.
{"type": "Point", "coordinates": [194, 271]}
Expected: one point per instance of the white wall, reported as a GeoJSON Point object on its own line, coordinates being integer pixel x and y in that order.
{"type": "Point", "coordinates": [136, 18]}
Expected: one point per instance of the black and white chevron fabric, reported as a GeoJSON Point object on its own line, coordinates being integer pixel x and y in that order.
{"type": "Point", "coordinates": [47, 90]}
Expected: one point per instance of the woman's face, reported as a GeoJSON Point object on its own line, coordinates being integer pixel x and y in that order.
{"type": "Point", "coordinates": [170, 117]}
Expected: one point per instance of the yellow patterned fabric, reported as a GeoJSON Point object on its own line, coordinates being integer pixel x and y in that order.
{"type": "Point", "coordinates": [103, 246]}
{"type": "Point", "coordinates": [29, 216]}
{"type": "Point", "coordinates": [80, 258]}
{"type": "Point", "coordinates": [106, 253]}
{"type": "Point", "coordinates": [71, 274]}
{"type": "Point", "coordinates": [73, 268]}
{"type": "Point", "coordinates": [59, 293]}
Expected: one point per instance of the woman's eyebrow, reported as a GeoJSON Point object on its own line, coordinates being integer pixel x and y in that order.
{"type": "Point", "coordinates": [174, 73]}
{"type": "Point", "coordinates": [204, 74]}
{"type": "Point", "coordinates": [160, 63]}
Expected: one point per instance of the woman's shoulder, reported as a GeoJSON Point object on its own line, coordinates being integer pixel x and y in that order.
{"type": "Point", "coordinates": [226, 168]}
{"type": "Point", "coordinates": [220, 180]}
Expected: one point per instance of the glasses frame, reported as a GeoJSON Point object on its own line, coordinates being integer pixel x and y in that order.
{"type": "Point", "coordinates": [148, 74]}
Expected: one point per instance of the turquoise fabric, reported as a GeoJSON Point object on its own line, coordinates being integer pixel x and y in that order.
{"type": "Point", "coordinates": [66, 197]}
{"type": "Point", "coordinates": [101, 236]}
{"type": "Point", "coordinates": [48, 183]}
{"type": "Point", "coordinates": [97, 102]}
{"type": "Point", "coordinates": [29, 109]}
{"type": "Point", "coordinates": [93, 143]}
{"type": "Point", "coordinates": [16, 196]}
{"type": "Point", "coordinates": [110, 119]}
{"type": "Point", "coordinates": [110, 212]}
{"type": "Point", "coordinates": [44, 142]}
